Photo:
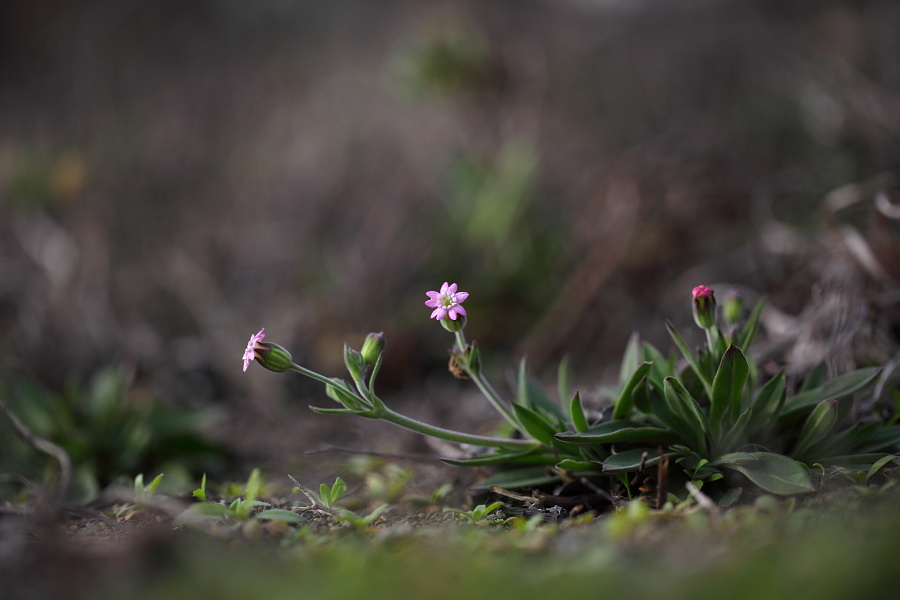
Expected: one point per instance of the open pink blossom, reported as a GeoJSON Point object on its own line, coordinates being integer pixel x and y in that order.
{"type": "Point", "coordinates": [252, 346]}
{"type": "Point", "coordinates": [447, 302]}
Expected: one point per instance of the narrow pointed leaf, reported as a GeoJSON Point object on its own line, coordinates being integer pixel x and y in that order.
{"type": "Point", "coordinates": [836, 388]}
{"type": "Point", "coordinates": [767, 404]}
{"type": "Point", "coordinates": [737, 435]}
{"type": "Point", "coordinates": [577, 413]}
{"type": "Point", "coordinates": [498, 458]}
{"type": "Point", "coordinates": [534, 424]}
{"type": "Point", "coordinates": [625, 403]}
{"type": "Point", "coordinates": [682, 404]}
{"type": "Point", "coordinates": [818, 425]}
{"type": "Point", "coordinates": [532, 396]}
{"type": "Point", "coordinates": [570, 464]}
{"type": "Point", "coordinates": [615, 432]}
{"type": "Point", "coordinates": [562, 383]}
{"type": "Point", "coordinates": [773, 473]}
{"type": "Point", "coordinates": [518, 478]}
{"type": "Point", "coordinates": [880, 438]}
{"type": "Point", "coordinates": [630, 460]}
{"type": "Point", "coordinates": [630, 359]}
{"type": "Point", "coordinates": [689, 356]}
{"type": "Point", "coordinates": [749, 330]}
{"type": "Point", "coordinates": [728, 388]}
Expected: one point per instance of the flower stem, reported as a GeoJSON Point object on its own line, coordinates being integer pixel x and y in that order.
{"type": "Point", "coordinates": [485, 386]}
{"type": "Point", "coordinates": [311, 374]}
{"type": "Point", "coordinates": [450, 435]}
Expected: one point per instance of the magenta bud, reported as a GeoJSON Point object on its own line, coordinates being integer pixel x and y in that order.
{"type": "Point", "coordinates": [704, 307]}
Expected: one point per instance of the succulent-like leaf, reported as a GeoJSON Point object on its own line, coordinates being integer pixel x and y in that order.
{"type": "Point", "coordinates": [624, 403]}
{"type": "Point", "coordinates": [576, 412]}
{"type": "Point", "coordinates": [773, 473]}
{"type": "Point", "coordinates": [728, 388]}
{"type": "Point", "coordinates": [571, 464]}
{"type": "Point", "coordinates": [535, 424]}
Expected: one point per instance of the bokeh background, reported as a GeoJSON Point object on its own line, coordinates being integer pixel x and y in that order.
{"type": "Point", "coordinates": [174, 176]}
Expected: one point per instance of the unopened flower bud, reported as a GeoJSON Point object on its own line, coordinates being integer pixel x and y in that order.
{"type": "Point", "coordinates": [273, 357]}
{"type": "Point", "coordinates": [372, 347]}
{"type": "Point", "coordinates": [354, 361]}
{"type": "Point", "coordinates": [733, 307]}
{"type": "Point", "coordinates": [704, 307]}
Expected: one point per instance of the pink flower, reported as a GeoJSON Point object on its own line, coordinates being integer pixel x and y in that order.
{"type": "Point", "coordinates": [252, 346]}
{"type": "Point", "coordinates": [447, 302]}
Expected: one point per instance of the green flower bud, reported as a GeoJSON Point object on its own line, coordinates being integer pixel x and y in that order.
{"type": "Point", "coordinates": [273, 357]}
{"type": "Point", "coordinates": [704, 307]}
{"type": "Point", "coordinates": [733, 307]}
{"type": "Point", "coordinates": [354, 361]}
{"type": "Point", "coordinates": [372, 347]}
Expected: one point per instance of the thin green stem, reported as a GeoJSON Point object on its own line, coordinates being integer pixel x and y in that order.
{"type": "Point", "coordinates": [448, 434]}
{"type": "Point", "coordinates": [485, 387]}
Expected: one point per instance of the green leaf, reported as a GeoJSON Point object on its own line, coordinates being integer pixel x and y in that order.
{"type": "Point", "coordinates": [815, 378]}
{"type": "Point", "coordinates": [333, 411]}
{"type": "Point", "coordinates": [630, 359]}
{"type": "Point", "coordinates": [532, 396]}
{"type": "Point", "coordinates": [518, 478]}
{"type": "Point", "coordinates": [818, 425]}
{"type": "Point", "coordinates": [689, 356]}
{"type": "Point", "coordinates": [773, 473]}
{"type": "Point", "coordinates": [562, 381]}
{"type": "Point", "coordinates": [577, 413]}
{"type": "Point", "coordinates": [534, 424]}
{"type": "Point", "coordinates": [279, 514]}
{"type": "Point", "coordinates": [571, 464]}
{"type": "Point", "coordinates": [530, 456]}
{"type": "Point", "coordinates": [749, 330]}
{"type": "Point", "coordinates": [836, 388]}
{"type": "Point", "coordinates": [737, 435]}
{"type": "Point", "coordinates": [625, 402]}
{"type": "Point", "coordinates": [630, 460]}
{"type": "Point", "coordinates": [728, 388]}
{"type": "Point", "coordinates": [682, 404]}
{"type": "Point", "coordinates": [661, 369]}
{"type": "Point", "coordinates": [880, 463]}
{"type": "Point", "coordinates": [614, 432]}
{"type": "Point", "coordinates": [767, 404]}
{"type": "Point", "coordinates": [880, 438]}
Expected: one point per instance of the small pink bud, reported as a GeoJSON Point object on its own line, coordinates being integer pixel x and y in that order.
{"type": "Point", "coordinates": [704, 307]}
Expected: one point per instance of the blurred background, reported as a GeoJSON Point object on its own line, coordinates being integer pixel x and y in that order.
{"type": "Point", "coordinates": [174, 176]}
